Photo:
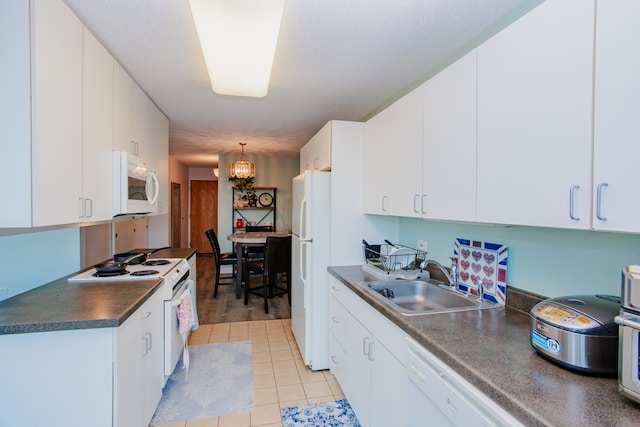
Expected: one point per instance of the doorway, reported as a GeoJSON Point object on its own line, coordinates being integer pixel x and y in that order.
{"type": "Point", "coordinates": [204, 213]}
{"type": "Point", "coordinates": [176, 216]}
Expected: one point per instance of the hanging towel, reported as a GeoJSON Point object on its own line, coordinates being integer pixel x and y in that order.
{"type": "Point", "coordinates": [187, 321]}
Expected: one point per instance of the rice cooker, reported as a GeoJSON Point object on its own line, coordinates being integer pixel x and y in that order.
{"type": "Point", "coordinates": [578, 332]}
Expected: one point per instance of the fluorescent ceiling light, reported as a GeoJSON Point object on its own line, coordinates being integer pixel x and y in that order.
{"type": "Point", "coordinates": [238, 40]}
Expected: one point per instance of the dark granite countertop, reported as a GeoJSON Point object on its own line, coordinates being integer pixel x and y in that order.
{"type": "Point", "coordinates": [60, 305]}
{"type": "Point", "coordinates": [491, 350]}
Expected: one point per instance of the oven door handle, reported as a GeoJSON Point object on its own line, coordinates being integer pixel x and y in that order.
{"type": "Point", "coordinates": [628, 320]}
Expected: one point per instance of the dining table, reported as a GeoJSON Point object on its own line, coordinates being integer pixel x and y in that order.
{"type": "Point", "coordinates": [250, 239]}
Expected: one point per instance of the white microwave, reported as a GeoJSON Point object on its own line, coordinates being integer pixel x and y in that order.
{"type": "Point", "coordinates": [135, 186]}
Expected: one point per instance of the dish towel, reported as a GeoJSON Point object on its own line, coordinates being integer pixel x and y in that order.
{"type": "Point", "coordinates": [187, 321]}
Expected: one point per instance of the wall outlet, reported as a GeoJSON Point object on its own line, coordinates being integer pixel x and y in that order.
{"type": "Point", "coordinates": [422, 245]}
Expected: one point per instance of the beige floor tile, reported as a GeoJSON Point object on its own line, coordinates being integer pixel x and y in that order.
{"type": "Point", "coordinates": [287, 378]}
{"type": "Point", "coordinates": [258, 337]}
{"type": "Point", "coordinates": [320, 399]}
{"type": "Point", "coordinates": [264, 396]}
{"type": "Point", "coordinates": [284, 365]}
{"type": "Point", "coordinates": [309, 376]}
{"type": "Point", "coordinates": [281, 354]}
{"type": "Point", "coordinates": [263, 381]}
{"type": "Point", "coordinates": [276, 336]}
{"type": "Point", "coordinates": [279, 345]}
{"type": "Point", "coordinates": [181, 424]}
{"type": "Point", "coordinates": [235, 420]}
{"type": "Point", "coordinates": [205, 422]}
{"type": "Point", "coordinates": [214, 339]}
{"type": "Point", "coordinates": [335, 387]}
{"type": "Point", "coordinates": [278, 424]}
{"type": "Point", "coordinates": [265, 414]}
{"type": "Point", "coordinates": [262, 368]}
{"type": "Point", "coordinates": [238, 337]}
{"type": "Point", "coordinates": [221, 328]}
{"type": "Point", "coordinates": [263, 356]}
{"type": "Point", "coordinates": [316, 389]}
{"type": "Point", "coordinates": [291, 392]}
{"type": "Point", "coordinates": [259, 346]}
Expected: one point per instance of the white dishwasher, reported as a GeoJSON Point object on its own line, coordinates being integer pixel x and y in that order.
{"type": "Point", "coordinates": [440, 396]}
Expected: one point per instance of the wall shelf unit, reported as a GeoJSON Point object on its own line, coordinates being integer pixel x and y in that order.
{"type": "Point", "coordinates": [262, 211]}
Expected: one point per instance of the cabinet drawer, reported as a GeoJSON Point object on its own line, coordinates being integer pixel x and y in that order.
{"type": "Point", "coordinates": [337, 320]}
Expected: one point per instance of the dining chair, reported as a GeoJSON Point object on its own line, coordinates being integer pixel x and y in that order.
{"type": "Point", "coordinates": [274, 269]}
{"type": "Point", "coordinates": [256, 252]}
{"type": "Point", "coordinates": [226, 258]}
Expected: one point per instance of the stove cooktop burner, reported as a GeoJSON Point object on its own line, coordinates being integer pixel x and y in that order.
{"type": "Point", "coordinates": [145, 272]}
{"type": "Point", "coordinates": [110, 273]}
{"type": "Point", "coordinates": [156, 262]}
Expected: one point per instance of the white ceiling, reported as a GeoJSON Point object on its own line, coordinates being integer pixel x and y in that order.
{"type": "Point", "coordinates": [336, 59]}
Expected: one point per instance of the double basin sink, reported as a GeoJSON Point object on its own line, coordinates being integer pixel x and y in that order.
{"type": "Point", "coordinates": [416, 297]}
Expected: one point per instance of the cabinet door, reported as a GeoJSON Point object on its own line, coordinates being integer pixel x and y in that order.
{"type": "Point", "coordinates": [152, 326]}
{"type": "Point", "coordinates": [160, 153]}
{"type": "Point", "coordinates": [129, 382]}
{"type": "Point", "coordinates": [97, 129]}
{"type": "Point", "coordinates": [357, 384]}
{"type": "Point", "coordinates": [449, 143]}
{"type": "Point", "coordinates": [122, 109]}
{"type": "Point", "coordinates": [56, 114]}
{"type": "Point", "coordinates": [139, 146]}
{"type": "Point", "coordinates": [393, 158]}
{"type": "Point", "coordinates": [316, 154]}
{"type": "Point", "coordinates": [534, 118]}
{"type": "Point", "coordinates": [616, 124]}
{"type": "Point", "coordinates": [388, 388]}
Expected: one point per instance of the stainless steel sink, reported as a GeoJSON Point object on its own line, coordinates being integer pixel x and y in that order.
{"type": "Point", "coordinates": [414, 297]}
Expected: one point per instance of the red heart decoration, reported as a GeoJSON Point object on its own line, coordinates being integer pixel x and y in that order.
{"type": "Point", "coordinates": [489, 258]}
{"type": "Point", "coordinates": [488, 270]}
{"type": "Point", "coordinates": [474, 279]}
{"type": "Point", "coordinates": [488, 284]}
{"type": "Point", "coordinates": [476, 267]}
{"type": "Point", "coordinates": [464, 264]}
{"type": "Point", "coordinates": [476, 255]}
{"type": "Point", "coordinates": [464, 276]}
{"type": "Point", "coordinates": [465, 253]}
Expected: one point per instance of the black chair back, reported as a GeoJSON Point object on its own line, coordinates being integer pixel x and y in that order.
{"type": "Point", "coordinates": [277, 256]}
{"type": "Point", "coordinates": [227, 258]}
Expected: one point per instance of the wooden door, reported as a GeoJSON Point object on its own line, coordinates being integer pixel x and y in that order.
{"type": "Point", "coordinates": [204, 213]}
{"type": "Point", "coordinates": [176, 216]}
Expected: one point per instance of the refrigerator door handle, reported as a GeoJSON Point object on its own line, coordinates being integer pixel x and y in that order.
{"type": "Point", "coordinates": [303, 272]}
{"type": "Point", "coordinates": [303, 220]}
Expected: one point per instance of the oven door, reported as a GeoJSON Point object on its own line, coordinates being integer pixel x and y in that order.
{"type": "Point", "coordinates": [173, 344]}
{"type": "Point", "coordinates": [629, 356]}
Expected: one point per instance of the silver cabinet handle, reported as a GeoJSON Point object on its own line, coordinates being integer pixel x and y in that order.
{"type": "Point", "coordinates": [572, 193]}
{"type": "Point", "coordinates": [371, 345]}
{"type": "Point", "coordinates": [335, 360]}
{"type": "Point", "coordinates": [365, 346]}
{"type": "Point", "coordinates": [415, 203]}
{"type": "Point", "coordinates": [422, 204]}
{"type": "Point", "coordinates": [599, 201]}
{"type": "Point", "coordinates": [384, 200]}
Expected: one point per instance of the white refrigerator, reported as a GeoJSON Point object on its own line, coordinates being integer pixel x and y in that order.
{"type": "Point", "coordinates": [311, 244]}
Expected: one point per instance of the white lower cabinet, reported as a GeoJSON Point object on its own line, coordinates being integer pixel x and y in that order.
{"type": "Point", "coordinates": [372, 377]}
{"type": "Point", "coordinates": [138, 371]}
{"type": "Point", "coordinates": [440, 397]}
{"type": "Point", "coordinates": [103, 377]}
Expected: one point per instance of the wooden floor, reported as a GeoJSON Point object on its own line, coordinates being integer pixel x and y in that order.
{"type": "Point", "coordinates": [226, 308]}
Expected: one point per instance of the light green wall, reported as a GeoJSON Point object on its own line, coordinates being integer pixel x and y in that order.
{"type": "Point", "coordinates": [549, 262]}
{"type": "Point", "coordinates": [33, 259]}
{"type": "Point", "coordinates": [271, 171]}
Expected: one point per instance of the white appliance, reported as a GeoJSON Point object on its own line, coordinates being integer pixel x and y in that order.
{"type": "Point", "coordinates": [135, 186]}
{"type": "Point", "coordinates": [310, 255]}
{"type": "Point", "coordinates": [175, 275]}
{"type": "Point", "coordinates": [629, 343]}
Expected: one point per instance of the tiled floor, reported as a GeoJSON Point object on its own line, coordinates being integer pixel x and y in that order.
{"type": "Point", "coordinates": [280, 378]}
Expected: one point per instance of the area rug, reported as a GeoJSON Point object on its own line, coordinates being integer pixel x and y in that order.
{"type": "Point", "coordinates": [334, 414]}
{"type": "Point", "coordinates": [219, 382]}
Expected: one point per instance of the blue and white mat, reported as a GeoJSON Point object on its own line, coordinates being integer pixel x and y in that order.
{"type": "Point", "coordinates": [220, 382]}
{"type": "Point", "coordinates": [334, 414]}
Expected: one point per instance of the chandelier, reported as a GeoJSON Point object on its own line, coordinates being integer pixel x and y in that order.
{"type": "Point", "coordinates": [241, 168]}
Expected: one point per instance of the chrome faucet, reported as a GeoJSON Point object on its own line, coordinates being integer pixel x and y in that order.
{"type": "Point", "coordinates": [481, 289]}
{"type": "Point", "coordinates": [452, 274]}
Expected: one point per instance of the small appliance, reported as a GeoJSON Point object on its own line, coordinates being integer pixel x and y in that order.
{"type": "Point", "coordinates": [629, 346]}
{"type": "Point", "coordinates": [577, 332]}
{"type": "Point", "coordinates": [135, 186]}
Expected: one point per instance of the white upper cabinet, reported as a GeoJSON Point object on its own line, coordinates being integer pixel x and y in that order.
{"type": "Point", "coordinates": [159, 154]}
{"type": "Point", "coordinates": [56, 119]}
{"type": "Point", "coordinates": [534, 118]}
{"type": "Point", "coordinates": [393, 158]}
{"type": "Point", "coordinates": [316, 154]}
{"type": "Point", "coordinates": [97, 125]}
{"type": "Point", "coordinates": [122, 109]}
{"type": "Point", "coordinates": [616, 117]}
{"type": "Point", "coordinates": [449, 143]}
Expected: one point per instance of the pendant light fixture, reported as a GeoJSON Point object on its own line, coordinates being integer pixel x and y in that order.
{"type": "Point", "coordinates": [238, 39]}
{"type": "Point", "coordinates": [241, 168]}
